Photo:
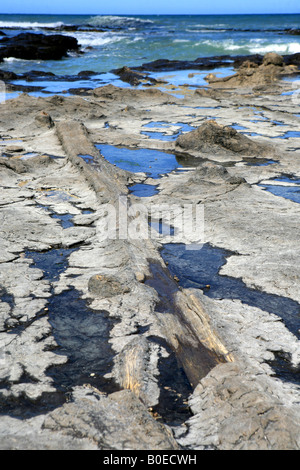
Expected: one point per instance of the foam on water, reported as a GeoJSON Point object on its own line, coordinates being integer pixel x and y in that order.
{"type": "Point", "coordinates": [29, 24]}
{"type": "Point", "coordinates": [101, 39]}
{"type": "Point", "coordinates": [118, 40]}
{"type": "Point", "coordinates": [113, 21]}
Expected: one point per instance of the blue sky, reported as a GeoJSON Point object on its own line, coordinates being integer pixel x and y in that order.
{"type": "Point", "coordinates": [150, 7]}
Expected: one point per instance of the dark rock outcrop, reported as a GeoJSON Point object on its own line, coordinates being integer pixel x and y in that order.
{"type": "Point", "coordinates": [6, 75]}
{"type": "Point", "coordinates": [31, 46]}
{"type": "Point", "coordinates": [293, 32]}
{"type": "Point", "coordinates": [132, 77]}
{"type": "Point", "coordinates": [208, 63]}
{"type": "Point", "coordinates": [129, 76]}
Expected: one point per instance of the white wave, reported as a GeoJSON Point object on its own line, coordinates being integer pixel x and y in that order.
{"type": "Point", "coordinates": [214, 25]}
{"type": "Point", "coordinates": [116, 21]}
{"type": "Point", "coordinates": [14, 59]}
{"type": "Point", "coordinates": [227, 44]}
{"type": "Point", "coordinates": [138, 38]}
{"type": "Point", "coordinates": [290, 48]}
{"type": "Point", "coordinates": [28, 24]}
{"type": "Point", "coordinates": [254, 46]}
{"type": "Point", "coordinates": [96, 39]}
{"type": "Point", "coordinates": [181, 40]}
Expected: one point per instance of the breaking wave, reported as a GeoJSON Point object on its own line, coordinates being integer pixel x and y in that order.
{"type": "Point", "coordinates": [122, 22]}
{"type": "Point", "coordinates": [29, 24]}
{"type": "Point", "coordinates": [94, 40]}
{"type": "Point", "coordinates": [255, 46]}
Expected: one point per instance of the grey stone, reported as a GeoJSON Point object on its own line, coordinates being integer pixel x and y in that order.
{"type": "Point", "coordinates": [44, 119]}
{"type": "Point", "coordinates": [106, 286]}
{"type": "Point", "coordinates": [212, 137]}
{"type": "Point", "coordinates": [115, 422]}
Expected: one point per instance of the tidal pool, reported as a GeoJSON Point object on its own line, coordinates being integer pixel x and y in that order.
{"type": "Point", "coordinates": [284, 186]}
{"type": "Point", "coordinates": [200, 269]}
{"type": "Point", "coordinates": [152, 162]}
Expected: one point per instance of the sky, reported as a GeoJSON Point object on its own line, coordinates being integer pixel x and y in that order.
{"type": "Point", "coordinates": [121, 7]}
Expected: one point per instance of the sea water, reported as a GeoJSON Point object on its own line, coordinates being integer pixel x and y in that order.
{"type": "Point", "coordinates": [110, 42]}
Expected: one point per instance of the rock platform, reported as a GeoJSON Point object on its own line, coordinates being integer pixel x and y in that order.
{"type": "Point", "coordinates": [91, 325]}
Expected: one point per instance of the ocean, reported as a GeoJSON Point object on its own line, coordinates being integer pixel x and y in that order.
{"type": "Point", "coordinates": [110, 42]}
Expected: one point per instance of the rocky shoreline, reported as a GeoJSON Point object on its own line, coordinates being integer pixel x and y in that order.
{"type": "Point", "coordinates": [37, 46]}
{"type": "Point", "coordinates": [92, 326]}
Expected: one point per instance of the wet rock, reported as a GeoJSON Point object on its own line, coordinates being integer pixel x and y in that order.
{"type": "Point", "coordinates": [32, 75]}
{"type": "Point", "coordinates": [24, 88]}
{"type": "Point", "coordinates": [208, 63]}
{"type": "Point", "coordinates": [202, 63]}
{"type": "Point", "coordinates": [293, 59]}
{"type": "Point", "coordinates": [31, 46]}
{"type": "Point", "coordinates": [212, 137]}
{"type": "Point", "coordinates": [132, 77]}
{"type": "Point", "coordinates": [6, 75]}
{"type": "Point", "coordinates": [86, 73]}
{"type": "Point", "coordinates": [293, 31]}
{"type": "Point", "coordinates": [129, 76]}
{"type": "Point", "coordinates": [253, 58]}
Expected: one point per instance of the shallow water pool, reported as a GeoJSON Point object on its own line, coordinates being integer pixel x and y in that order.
{"type": "Point", "coordinates": [152, 162]}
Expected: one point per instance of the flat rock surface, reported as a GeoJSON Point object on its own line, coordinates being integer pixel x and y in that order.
{"type": "Point", "coordinates": [111, 342]}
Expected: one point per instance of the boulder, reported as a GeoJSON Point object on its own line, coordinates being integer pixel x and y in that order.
{"type": "Point", "coordinates": [106, 286]}
{"type": "Point", "coordinates": [6, 75]}
{"type": "Point", "coordinates": [129, 76]}
{"type": "Point", "coordinates": [212, 137]}
{"type": "Point", "coordinates": [271, 58]}
{"type": "Point", "coordinates": [44, 119]}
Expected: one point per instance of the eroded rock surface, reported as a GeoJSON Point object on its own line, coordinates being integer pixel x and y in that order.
{"type": "Point", "coordinates": [84, 361]}
{"type": "Point", "coordinates": [252, 74]}
{"type": "Point", "coordinates": [214, 138]}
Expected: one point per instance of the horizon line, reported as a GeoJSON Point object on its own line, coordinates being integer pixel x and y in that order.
{"type": "Point", "coordinates": [151, 14]}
